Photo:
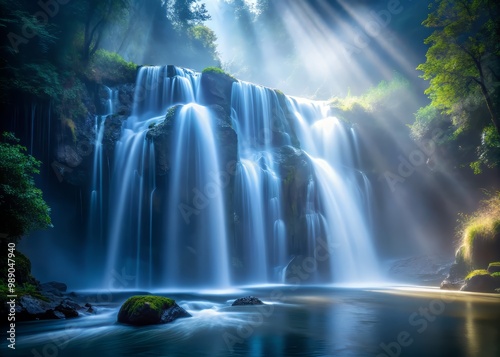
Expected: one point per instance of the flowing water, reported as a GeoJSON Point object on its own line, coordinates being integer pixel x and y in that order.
{"type": "Point", "coordinates": [199, 244]}
{"type": "Point", "coordinates": [296, 321]}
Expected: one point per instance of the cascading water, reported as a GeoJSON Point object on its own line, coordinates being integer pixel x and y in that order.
{"type": "Point", "coordinates": [343, 211]}
{"type": "Point", "coordinates": [258, 190]}
{"type": "Point", "coordinates": [170, 225]}
{"type": "Point", "coordinates": [131, 221]}
{"type": "Point", "coordinates": [97, 194]}
{"type": "Point", "coordinates": [196, 250]}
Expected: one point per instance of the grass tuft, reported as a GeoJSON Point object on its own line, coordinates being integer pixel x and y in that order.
{"type": "Point", "coordinates": [482, 224]}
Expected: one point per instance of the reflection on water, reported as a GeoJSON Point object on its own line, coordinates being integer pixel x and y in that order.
{"type": "Point", "coordinates": [295, 322]}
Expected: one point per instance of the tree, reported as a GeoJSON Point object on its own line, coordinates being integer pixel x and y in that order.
{"type": "Point", "coordinates": [463, 61]}
{"type": "Point", "coordinates": [21, 204]}
{"type": "Point", "coordinates": [204, 43]}
{"type": "Point", "coordinates": [186, 13]}
{"type": "Point", "coordinates": [98, 14]}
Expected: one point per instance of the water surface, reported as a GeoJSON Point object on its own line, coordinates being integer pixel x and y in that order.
{"type": "Point", "coordinates": [297, 321]}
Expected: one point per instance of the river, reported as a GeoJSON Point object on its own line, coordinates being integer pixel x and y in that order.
{"type": "Point", "coordinates": [296, 321]}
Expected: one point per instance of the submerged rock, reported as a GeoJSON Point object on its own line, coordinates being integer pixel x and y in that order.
{"type": "Point", "coordinates": [150, 310]}
{"type": "Point", "coordinates": [247, 300]}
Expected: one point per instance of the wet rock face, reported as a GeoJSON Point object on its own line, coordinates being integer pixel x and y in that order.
{"type": "Point", "coordinates": [68, 155]}
{"type": "Point", "coordinates": [296, 171]}
{"type": "Point", "coordinates": [225, 136]}
{"type": "Point", "coordinates": [216, 89]}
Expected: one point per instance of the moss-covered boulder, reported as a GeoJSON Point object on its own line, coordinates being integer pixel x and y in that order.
{"type": "Point", "coordinates": [481, 234]}
{"type": "Point", "coordinates": [150, 310]}
{"type": "Point", "coordinates": [481, 281]}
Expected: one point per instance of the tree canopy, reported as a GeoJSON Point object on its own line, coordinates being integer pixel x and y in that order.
{"type": "Point", "coordinates": [21, 203]}
{"type": "Point", "coordinates": [463, 59]}
{"type": "Point", "coordinates": [463, 68]}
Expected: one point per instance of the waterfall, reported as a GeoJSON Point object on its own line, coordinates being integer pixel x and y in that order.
{"type": "Point", "coordinates": [344, 211]}
{"type": "Point", "coordinates": [131, 248]}
{"type": "Point", "coordinates": [258, 191]}
{"type": "Point", "coordinates": [97, 195]}
{"type": "Point", "coordinates": [173, 221]}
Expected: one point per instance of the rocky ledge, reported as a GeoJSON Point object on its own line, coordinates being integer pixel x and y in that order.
{"type": "Point", "coordinates": [51, 302]}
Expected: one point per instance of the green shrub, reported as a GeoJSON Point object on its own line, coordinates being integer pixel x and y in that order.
{"type": "Point", "coordinates": [374, 97]}
{"type": "Point", "coordinates": [217, 70]}
{"type": "Point", "coordinates": [110, 68]}
{"type": "Point", "coordinates": [484, 224]}
{"type": "Point", "coordinates": [38, 79]}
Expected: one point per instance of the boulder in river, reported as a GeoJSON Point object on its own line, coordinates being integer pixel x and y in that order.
{"type": "Point", "coordinates": [247, 300]}
{"type": "Point", "coordinates": [150, 310]}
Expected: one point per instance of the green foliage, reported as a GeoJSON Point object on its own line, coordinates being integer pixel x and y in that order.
{"type": "Point", "coordinates": [21, 290]}
{"type": "Point", "coordinates": [426, 119]}
{"type": "Point", "coordinates": [476, 272]}
{"type": "Point", "coordinates": [37, 79]}
{"type": "Point", "coordinates": [110, 68]}
{"type": "Point", "coordinates": [98, 14]}
{"type": "Point", "coordinates": [186, 13]}
{"type": "Point", "coordinates": [70, 104]}
{"type": "Point", "coordinates": [463, 59]}
{"type": "Point", "coordinates": [483, 224]}
{"type": "Point", "coordinates": [213, 70]}
{"type": "Point", "coordinates": [217, 70]}
{"type": "Point", "coordinates": [374, 97]}
{"type": "Point", "coordinates": [489, 150]}
{"type": "Point", "coordinates": [21, 204]}
{"type": "Point", "coordinates": [203, 43]}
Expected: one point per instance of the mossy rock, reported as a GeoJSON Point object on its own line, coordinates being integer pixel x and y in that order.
{"type": "Point", "coordinates": [494, 268]}
{"type": "Point", "coordinates": [483, 283]}
{"type": "Point", "coordinates": [483, 248]}
{"type": "Point", "coordinates": [150, 310]}
{"type": "Point", "coordinates": [476, 273]}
